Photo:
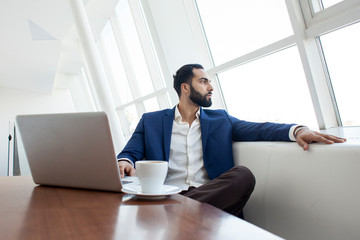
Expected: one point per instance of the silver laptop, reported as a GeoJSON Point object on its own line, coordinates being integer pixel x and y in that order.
{"type": "Point", "coordinates": [70, 150]}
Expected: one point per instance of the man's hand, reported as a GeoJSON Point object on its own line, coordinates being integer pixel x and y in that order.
{"type": "Point", "coordinates": [306, 136]}
{"type": "Point", "coordinates": [126, 168]}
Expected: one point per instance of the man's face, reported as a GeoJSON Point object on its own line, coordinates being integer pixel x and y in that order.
{"type": "Point", "coordinates": [200, 88]}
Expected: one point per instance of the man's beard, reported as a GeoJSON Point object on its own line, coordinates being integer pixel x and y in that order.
{"type": "Point", "coordinates": [199, 99]}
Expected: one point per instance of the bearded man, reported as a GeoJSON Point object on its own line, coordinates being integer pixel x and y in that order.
{"type": "Point", "coordinates": [197, 143]}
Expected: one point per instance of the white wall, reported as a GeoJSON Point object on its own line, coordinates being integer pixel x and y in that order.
{"type": "Point", "coordinates": [79, 90]}
{"type": "Point", "coordinates": [15, 102]}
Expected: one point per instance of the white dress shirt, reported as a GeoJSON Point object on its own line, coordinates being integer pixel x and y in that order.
{"type": "Point", "coordinates": [186, 165]}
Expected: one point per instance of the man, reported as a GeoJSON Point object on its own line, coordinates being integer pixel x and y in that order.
{"type": "Point", "coordinates": [197, 143]}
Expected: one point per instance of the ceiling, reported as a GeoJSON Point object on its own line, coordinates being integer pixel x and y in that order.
{"type": "Point", "coordinates": [39, 41]}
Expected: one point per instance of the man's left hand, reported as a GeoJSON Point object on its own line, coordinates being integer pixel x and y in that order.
{"type": "Point", "coordinates": [306, 136]}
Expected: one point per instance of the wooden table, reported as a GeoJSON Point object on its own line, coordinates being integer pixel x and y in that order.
{"type": "Point", "coordinates": [28, 211]}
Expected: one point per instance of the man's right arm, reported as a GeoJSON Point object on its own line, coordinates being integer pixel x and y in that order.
{"type": "Point", "coordinates": [134, 149]}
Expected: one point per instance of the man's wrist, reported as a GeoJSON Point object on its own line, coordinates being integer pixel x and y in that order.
{"type": "Point", "coordinates": [298, 129]}
{"type": "Point", "coordinates": [294, 130]}
{"type": "Point", "coordinates": [126, 160]}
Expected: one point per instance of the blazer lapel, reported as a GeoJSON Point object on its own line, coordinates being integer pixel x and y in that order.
{"type": "Point", "coordinates": [167, 130]}
{"type": "Point", "coordinates": [204, 122]}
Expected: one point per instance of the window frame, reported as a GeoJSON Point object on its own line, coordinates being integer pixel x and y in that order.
{"type": "Point", "coordinates": [309, 22]}
{"type": "Point", "coordinates": [151, 59]}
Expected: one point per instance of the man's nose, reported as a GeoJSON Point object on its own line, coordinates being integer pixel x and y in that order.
{"type": "Point", "coordinates": [210, 88]}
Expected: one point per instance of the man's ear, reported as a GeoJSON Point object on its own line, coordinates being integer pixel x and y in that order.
{"type": "Point", "coordinates": [185, 88]}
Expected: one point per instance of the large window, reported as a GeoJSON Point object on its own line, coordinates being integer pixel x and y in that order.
{"type": "Point", "coordinates": [342, 53]}
{"type": "Point", "coordinates": [286, 61]}
{"type": "Point", "coordinates": [266, 82]}
{"type": "Point", "coordinates": [116, 73]}
{"type": "Point", "coordinates": [278, 61]}
{"type": "Point", "coordinates": [266, 90]}
{"type": "Point", "coordinates": [335, 24]}
{"type": "Point", "coordinates": [234, 28]}
{"type": "Point", "coordinates": [131, 65]}
{"type": "Point", "coordinates": [132, 43]}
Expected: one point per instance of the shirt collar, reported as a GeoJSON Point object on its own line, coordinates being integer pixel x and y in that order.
{"type": "Point", "coordinates": [178, 117]}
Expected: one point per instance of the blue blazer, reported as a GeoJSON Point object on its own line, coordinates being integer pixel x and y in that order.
{"type": "Point", "coordinates": [152, 136]}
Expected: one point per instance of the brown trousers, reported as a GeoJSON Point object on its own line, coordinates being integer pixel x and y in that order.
{"type": "Point", "coordinates": [229, 192]}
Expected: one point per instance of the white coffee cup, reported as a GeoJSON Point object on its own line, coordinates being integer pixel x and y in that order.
{"type": "Point", "coordinates": [151, 174]}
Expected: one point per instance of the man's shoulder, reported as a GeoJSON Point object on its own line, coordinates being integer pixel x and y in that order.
{"type": "Point", "coordinates": [215, 112]}
{"type": "Point", "coordinates": [158, 114]}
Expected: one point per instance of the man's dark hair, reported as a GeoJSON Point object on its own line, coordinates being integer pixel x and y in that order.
{"type": "Point", "coordinates": [184, 75]}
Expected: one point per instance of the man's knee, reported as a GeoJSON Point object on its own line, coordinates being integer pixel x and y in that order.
{"type": "Point", "coordinates": [244, 177]}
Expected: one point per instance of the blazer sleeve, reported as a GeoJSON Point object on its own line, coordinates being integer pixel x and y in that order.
{"type": "Point", "coordinates": [254, 131]}
{"type": "Point", "coordinates": [135, 147]}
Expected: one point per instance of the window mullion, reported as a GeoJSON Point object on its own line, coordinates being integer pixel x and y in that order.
{"type": "Point", "coordinates": [334, 17]}
{"type": "Point", "coordinates": [163, 101]}
{"type": "Point", "coordinates": [129, 70]}
{"type": "Point", "coordinates": [159, 50]}
{"type": "Point", "coordinates": [198, 32]}
{"type": "Point", "coordinates": [267, 50]}
{"type": "Point", "coordinates": [146, 44]}
{"type": "Point", "coordinates": [307, 10]}
{"type": "Point", "coordinates": [325, 109]}
{"type": "Point", "coordinates": [124, 122]}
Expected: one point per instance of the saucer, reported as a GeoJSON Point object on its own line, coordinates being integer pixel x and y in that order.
{"type": "Point", "coordinates": [135, 189]}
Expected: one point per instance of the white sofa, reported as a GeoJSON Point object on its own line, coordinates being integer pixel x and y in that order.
{"type": "Point", "coordinates": [313, 195]}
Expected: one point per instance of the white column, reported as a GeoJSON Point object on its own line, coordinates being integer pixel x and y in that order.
{"type": "Point", "coordinates": [97, 71]}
